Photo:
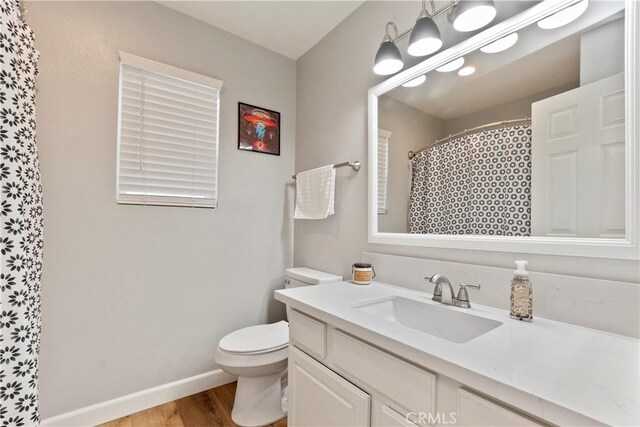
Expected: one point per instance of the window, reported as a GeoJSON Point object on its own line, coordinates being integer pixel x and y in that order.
{"type": "Point", "coordinates": [168, 126]}
{"type": "Point", "coordinates": [383, 169]}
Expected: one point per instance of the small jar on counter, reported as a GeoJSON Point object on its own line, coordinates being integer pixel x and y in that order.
{"type": "Point", "coordinates": [362, 273]}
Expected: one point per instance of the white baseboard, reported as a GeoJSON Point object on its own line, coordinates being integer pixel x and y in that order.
{"type": "Point", "coordinates": [139, 401]}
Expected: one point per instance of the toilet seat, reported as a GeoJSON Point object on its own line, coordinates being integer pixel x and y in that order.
{"type": "Point", "coordinates": [257, 339]}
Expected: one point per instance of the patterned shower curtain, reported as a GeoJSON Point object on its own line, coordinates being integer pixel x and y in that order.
{"type": "Point", "coordinates": [475, 184]}
{"type": "Point", "coordinates": [21, 222]}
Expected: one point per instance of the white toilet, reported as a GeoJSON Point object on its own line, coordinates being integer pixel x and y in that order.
{"type": "Point", "coordinates": [257, 355]}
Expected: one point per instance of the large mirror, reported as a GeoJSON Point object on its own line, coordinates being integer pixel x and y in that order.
{"type": "Point", "coordinates": [522, 137]}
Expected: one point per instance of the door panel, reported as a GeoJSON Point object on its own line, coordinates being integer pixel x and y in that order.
{"type": "Point", "coordinates": [578, 162]}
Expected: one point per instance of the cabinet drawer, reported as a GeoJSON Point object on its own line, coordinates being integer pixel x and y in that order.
{"type": "Point", "coordinates": [308, 334]}
{"type": "Point", "coordinates": [406, 384]}
{"type": "Point", "coordinates": [474, 410]}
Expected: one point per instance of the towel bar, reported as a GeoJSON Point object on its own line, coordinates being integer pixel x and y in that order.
{"type": "Point", "coordinates": [353, 165]}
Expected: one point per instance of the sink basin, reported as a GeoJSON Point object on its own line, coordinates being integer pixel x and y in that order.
{"type": "Point", "coordinates": [440, 321]}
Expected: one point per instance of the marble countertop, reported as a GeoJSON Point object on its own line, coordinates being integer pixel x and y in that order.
{"type": "Point", "coordinates": [563, 374]}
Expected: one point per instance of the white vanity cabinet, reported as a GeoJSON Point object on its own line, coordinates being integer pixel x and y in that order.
{"type": "Point", "coordinates": [336, 379]}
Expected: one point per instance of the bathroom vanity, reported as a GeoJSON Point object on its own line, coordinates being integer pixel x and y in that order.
{"type": "Point", "coordinates": [383, 355]}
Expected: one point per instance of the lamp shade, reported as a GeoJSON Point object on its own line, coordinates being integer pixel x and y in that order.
{"type": "Point", "coordinates": [388, 59]}
{"type": "Point", "coordinates": [500, 45]}
{"type": "Point", "coordinates": [452, 65]}
{"type": "Point", "coordinates": [565, 16]}
{"type": "Point", "coordinates": [470, 15]}
{"type": "Point", "coordinates": [425, 37]}
{"type": "Point", "coordinates": [415, 82]}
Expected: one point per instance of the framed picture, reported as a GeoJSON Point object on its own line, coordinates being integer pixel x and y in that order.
{"type": "Point", "coordinates": [258, 129]}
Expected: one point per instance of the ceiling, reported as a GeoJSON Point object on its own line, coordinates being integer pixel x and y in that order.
{"type": "Point", "coordinates": [290, 28]}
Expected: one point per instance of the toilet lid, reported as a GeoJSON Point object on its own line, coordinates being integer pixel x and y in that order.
{"type": "Point", "coordinates": [256, 339]}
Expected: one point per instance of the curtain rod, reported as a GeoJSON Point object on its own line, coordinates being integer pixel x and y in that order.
{"type": "Point", "coordinates": [353, 165]}
{"type": "Point", "coordinates": [473, 130]}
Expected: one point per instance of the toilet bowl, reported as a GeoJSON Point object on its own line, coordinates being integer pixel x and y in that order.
{"type": "Point", "coordinates": [258, 355]}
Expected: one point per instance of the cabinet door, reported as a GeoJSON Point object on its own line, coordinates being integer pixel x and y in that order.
{"type": "Point", "coordinates": [320, 397]}
{"type": "Point", "coordinates": [475, 411]}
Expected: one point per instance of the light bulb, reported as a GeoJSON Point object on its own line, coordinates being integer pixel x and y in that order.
{"type": "Point", "coordinates": [466, 71]}
{"type": "Point", "coordinates": [471, 15]}
{"type": "Point", "coordinates": [388, 66]}
{"type": "Point", "coordinates": [424, 47]}
{"type": "Point", "coordinates": [425, 37]}
{"type": "Point", "coordinates": [388, 59]}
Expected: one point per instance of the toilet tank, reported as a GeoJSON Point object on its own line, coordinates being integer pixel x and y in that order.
{"type": "Point", "coordinates": [303, 276]}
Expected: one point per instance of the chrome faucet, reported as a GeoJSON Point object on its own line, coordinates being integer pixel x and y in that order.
{"type": "Point", "coordinates": [446, 295]}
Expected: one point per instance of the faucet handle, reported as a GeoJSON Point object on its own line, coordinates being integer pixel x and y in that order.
{"type": "Point", "coordinates": [469, 285]}
{"type": "Point", "coordinates": [462, 300]}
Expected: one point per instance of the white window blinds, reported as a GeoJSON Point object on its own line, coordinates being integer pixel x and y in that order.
{"type": "Point", "coordinates": [168, 124]}
{"type": "Point", "coordinates": [383, 169]}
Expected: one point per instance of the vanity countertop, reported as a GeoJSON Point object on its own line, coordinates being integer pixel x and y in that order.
{"type": "Point", "coordinates": [560, 373]}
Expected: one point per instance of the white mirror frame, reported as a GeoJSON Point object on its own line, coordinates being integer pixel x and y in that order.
{"type": "Point", "coordinates": [627, 248]}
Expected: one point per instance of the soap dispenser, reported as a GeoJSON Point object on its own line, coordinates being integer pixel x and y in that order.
{"type": "Point", "coordinates": [521, 293]}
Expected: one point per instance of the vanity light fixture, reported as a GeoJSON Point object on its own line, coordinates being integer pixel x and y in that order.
{"type": "Point", "coordinates": [564, 16]}
{"type": "Point", "coordinates": [388, 59]}
{"type": "Point", "coordinates": [466, 71]}
{"type": "Point", "coordinates": [471, 15]}
{"type": "Point", "coordinates": [425, 36]}
{"type": "Point", "coordinates": [500, 45]}
{"type": "Point", "coordinates": [415, 82]}
{"type": "Point", "coordinates": [451, 66]}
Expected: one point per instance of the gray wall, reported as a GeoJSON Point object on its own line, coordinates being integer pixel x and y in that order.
{"type": "Point", "coordinates": [333, 79]}
{"type": "Point", "coordinates": [515, 109]}
{"type": "Point", "coordinates": [598, 59]}
{"type": "Point", "coordinates": [134, 296]}
{"type": "Point", "coordinates": [411, 129]}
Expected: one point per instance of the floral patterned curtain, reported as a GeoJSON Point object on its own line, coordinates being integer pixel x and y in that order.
{"type": "Point", "coordinates": [21, 222]}
{"type": "Point", "coordinates": [475, 184]}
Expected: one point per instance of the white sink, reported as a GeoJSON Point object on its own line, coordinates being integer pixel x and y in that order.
{"type": "Point", "coordinates": [433, 319]}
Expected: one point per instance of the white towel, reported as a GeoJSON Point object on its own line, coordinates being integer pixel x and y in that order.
{"type": "Point", "coordinates": [315, 193]}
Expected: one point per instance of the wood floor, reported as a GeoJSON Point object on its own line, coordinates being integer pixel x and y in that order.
{"type": "Point", "coordinates": [209, 408]}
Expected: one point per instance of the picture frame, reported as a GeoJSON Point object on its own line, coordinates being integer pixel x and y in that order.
{"type": "Point", "coordinates": [258, 129]}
